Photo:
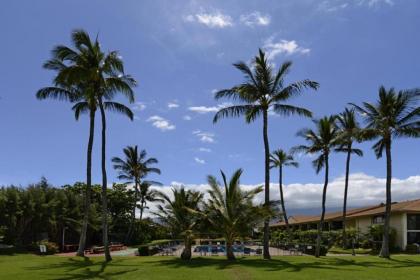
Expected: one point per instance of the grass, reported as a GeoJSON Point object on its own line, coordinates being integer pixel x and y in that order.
{"type": "Point", "coordinates": [27, 266]}
{"type": "Point", "coordinates": [339, 250]}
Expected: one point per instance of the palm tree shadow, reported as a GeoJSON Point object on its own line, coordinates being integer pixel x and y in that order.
{"type": "Point", "coordinates": [78, 268]}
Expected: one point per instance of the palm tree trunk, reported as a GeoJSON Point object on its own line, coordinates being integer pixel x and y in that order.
{"type": "Point", "coordinates": [283, 207]}
{"type": "Point", "coordinates": [83, 233]}
{"type": "Point", "coordinates": [229, 250]}
{"type": "Point", "coordinates": [186, 253]}
{"type": "Point", "coordinates": [324, 198]}
{"type": "Point", "coordinates": [141, 210]}
{"type": "Point", "coordinates": [385, 240]}
{"type": "Point", "coordinates": [104, 188]}
{"type": "Point", "coordinates": [133, 213]}
{"type": "Point", "coordinates": [266, 242]}
{"type": "Point", "coordinates": [346, 187]}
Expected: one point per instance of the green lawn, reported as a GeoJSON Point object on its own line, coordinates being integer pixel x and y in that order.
{"type": "Point", "coordinates": [25, 266]}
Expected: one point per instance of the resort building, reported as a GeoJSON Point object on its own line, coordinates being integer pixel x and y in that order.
{"type": "Point", "coordinates": [405, 219]}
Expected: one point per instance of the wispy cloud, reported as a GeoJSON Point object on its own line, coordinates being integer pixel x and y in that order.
{"type": "Point", "coordinates": [206, 150]}
{"type": "Point", "coordinates": [138, 106]}
{"type": "Point", "coordinates": [255, 19]}
{"type": "Point", "coordinates": [205, 137]}
{"type": "Point", "coordinates": [275, 48]}
{"type": "Point", "coordinates": [332, 6]}
{"type": "Point", "coordinates": [161, 123]}
{"type": "Point", "coordinates": [208, 109]}
{"type": "Point", "coordinates": [199, 160]}
{"type": "Point", "coordinates": [373, 3]}
{"type": "Point", "coordinates": [187, 118]}
{"type": "Point", "coordinates": [212, 20]}
{"type": "Point", "coordinates": [173, 105]}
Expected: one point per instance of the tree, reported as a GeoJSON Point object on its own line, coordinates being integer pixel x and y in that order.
{"type": "Point", "coordinates": [74, 83]}
{"type": "Point", "coordinates": [262, 91]}
{"type": "Point", "coordinates": [231, 211]}
{"type": "Point", "coordinates": [134, 168]}
{"type": "Point", "coordinates": [108, 71]}
{"type": "Point", "coordinates": [349, 132]}
{"type": "Point", "coordinates": [146, 195]}
{"type": "Point", "coordinates": [394, 115]}
{"type": "Point", "coordinates": [321, 141]}
{"type": "Point", "coordinates": [178, 214]}
{"type": "Point", "coordinates": [278, 159]}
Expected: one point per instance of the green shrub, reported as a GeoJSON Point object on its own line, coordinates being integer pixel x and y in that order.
{"type": "Point", "coordinates": [412, 249]}
{"type": "Point", "coordinates": [376, 234]}
{"type": "Point", "coordinates": [146, 250]}
{"type": "Point", "coordinates": [52, 247]}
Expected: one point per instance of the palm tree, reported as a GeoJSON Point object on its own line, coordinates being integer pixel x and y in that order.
{"type": "Point", "coordinates": [278, 159]}
{"type": "Point", "coordinates": [74, 83]}
{"type": "Point", "coordinates": [321, 141]}
{"type": "Point", "coordinates": [231, 211]}
{"type": "Point", "coordinates": [147, 195]}
{"type": "Point", "coordinates": [179, 214]}
{"type": "Point", "coordinates": [349, 132]}
{"type": "Point", "coordinates": [262, 91]}
{"type": "Point", "coordinates": [108, 71]}
{"type": "Point", "coordinates": [394, 115]}
{"type": "Point", "coordinates": [134, 168]}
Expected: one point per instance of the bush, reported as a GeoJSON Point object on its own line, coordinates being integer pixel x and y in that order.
{"type": "Point", "coordinates": [147, 250]}
{"type": "Point", "coordinates": [376, 233]}
{"type": "Point", "coordinates": [52, 247]}
{"type": "Point", "coordinates": [412, 249]}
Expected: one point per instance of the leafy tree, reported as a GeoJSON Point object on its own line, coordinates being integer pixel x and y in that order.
{"type": "Point", "coordinates": [231, 211]}
{"type": "Point", "coordinates": [263, 91]}
{"type": "Point", "coordinates": [147, 194]}
{"type": "Point", "coordinates": [322, 141]}
{"type": "Point", "coordinates": [349, 132]}
{"type": "Point", "coordinates": [179, 213]}
{"type": "Point", "coordinates": [278, 159]}
{"type": "Point", "coordinates": [134, 168]}
{"type": "Point", "coordinates": [394, 115]}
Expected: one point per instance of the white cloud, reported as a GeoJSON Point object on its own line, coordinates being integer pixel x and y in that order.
{"type": "Point", "coordinates": [161, 123]}
{"type": "Point", "coordinates": [330, 6]}
{"type": "Point", "coordinates": [206, 150]}
{"type": "Point", "coordinates": [212, 20]}
{"type": "Point", "coordinates": [208, 109]}
{"type": "Point", "coordinates": [213, 91]}
{"type": "Point", "coordinates": [364, 190]}
{"type": "Point", "coordinates": [200, 161]}
{"type": "Point", "coordinates": [283, 47]}
{"type": "Point", "coordinates": [373, 3]}
{"type": "Point", "coordinates": [187, 118]}
{"type": "Point", "coordinates": [138, 106]}
{"type": "Point", "coordinates": [172, 105]}
{"type": "Point", "coordinates": [205, 137]}
{"type": "Point", "coordinates": [254, 19]}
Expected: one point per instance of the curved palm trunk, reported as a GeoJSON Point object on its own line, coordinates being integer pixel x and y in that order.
{"type": "Point", "coordinates": [266, 242]}
{"type": "Point", "coordinates": [83, 233]}
{"type": "Point", "coordinates": [283, 207]}
{"type": "Point", "coordinates": [324, 198]}
{"type": "Point", "coordinates": [346, 187]}
{"type": "Point", "coordinates": [104, 188]}
{"type": "Point", "coordinates": [186, 253]}
{"type": "Point", "coordinates": [229, 250]}
{"type": "Point", "coordinates": [133, 212]}
{"type": "Point", "coordinates": [385, 240]}
{"type": "Point", "coordinates": [142, 209]}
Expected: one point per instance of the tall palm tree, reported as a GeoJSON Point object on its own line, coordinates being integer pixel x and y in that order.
{"type": "Point", "coordinates": [178, 214]}
{"type": "Point", "coordinates": [134, 168]}
{"type": "Point", "coordinates": [263, 90]}
{"type": "Point", "coordinates": [321, 141]}
{"type": "Point", "coordinates": [278, 159]}
{"type": "Point", "coordinates": [394, 115]}
{"type": "Point", "coordinates": [231, 211]}
{"type": "Point", "coordinates": [349, 132]}
{"type": "Point", "coordinates": [146, 194]}
{"type": "Point", "coordinates": [74, 82]}
{"type": "Point", "coordinates": [108, 71]}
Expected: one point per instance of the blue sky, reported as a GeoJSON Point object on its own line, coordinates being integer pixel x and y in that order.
{"type": "Point", "coordinates": [181, 52]}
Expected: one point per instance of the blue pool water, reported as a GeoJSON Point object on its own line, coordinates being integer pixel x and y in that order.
{"type": "Point", "coordinates": [217, 249]}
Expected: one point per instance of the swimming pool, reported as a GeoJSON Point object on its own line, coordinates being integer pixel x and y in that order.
{"type": "Point", "coordinates": [220, 249]}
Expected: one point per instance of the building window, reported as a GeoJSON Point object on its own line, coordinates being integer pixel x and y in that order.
{"type": "Point", "coordinates": [413, 228]}
{"type": "Point", "coordinates": [378, 220]}
{"type": "Point", "coordinates": [413, 222]}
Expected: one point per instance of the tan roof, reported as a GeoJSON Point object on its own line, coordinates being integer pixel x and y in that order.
{"type": "Point", "coordinates": [396, 207]}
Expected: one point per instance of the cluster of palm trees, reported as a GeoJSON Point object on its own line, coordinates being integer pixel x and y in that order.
{"type": "Point", "coordinates": [394, 115]}
{"type": "Point", "coordinates": [229, 211]}
{"type": "Point", "coordinates": [90, 79]}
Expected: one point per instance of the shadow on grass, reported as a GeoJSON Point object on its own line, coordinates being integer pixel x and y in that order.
{"type": "Point", "coordinates": [84, 268]}
{"type": "Point", "coordinates": [294, 264]}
